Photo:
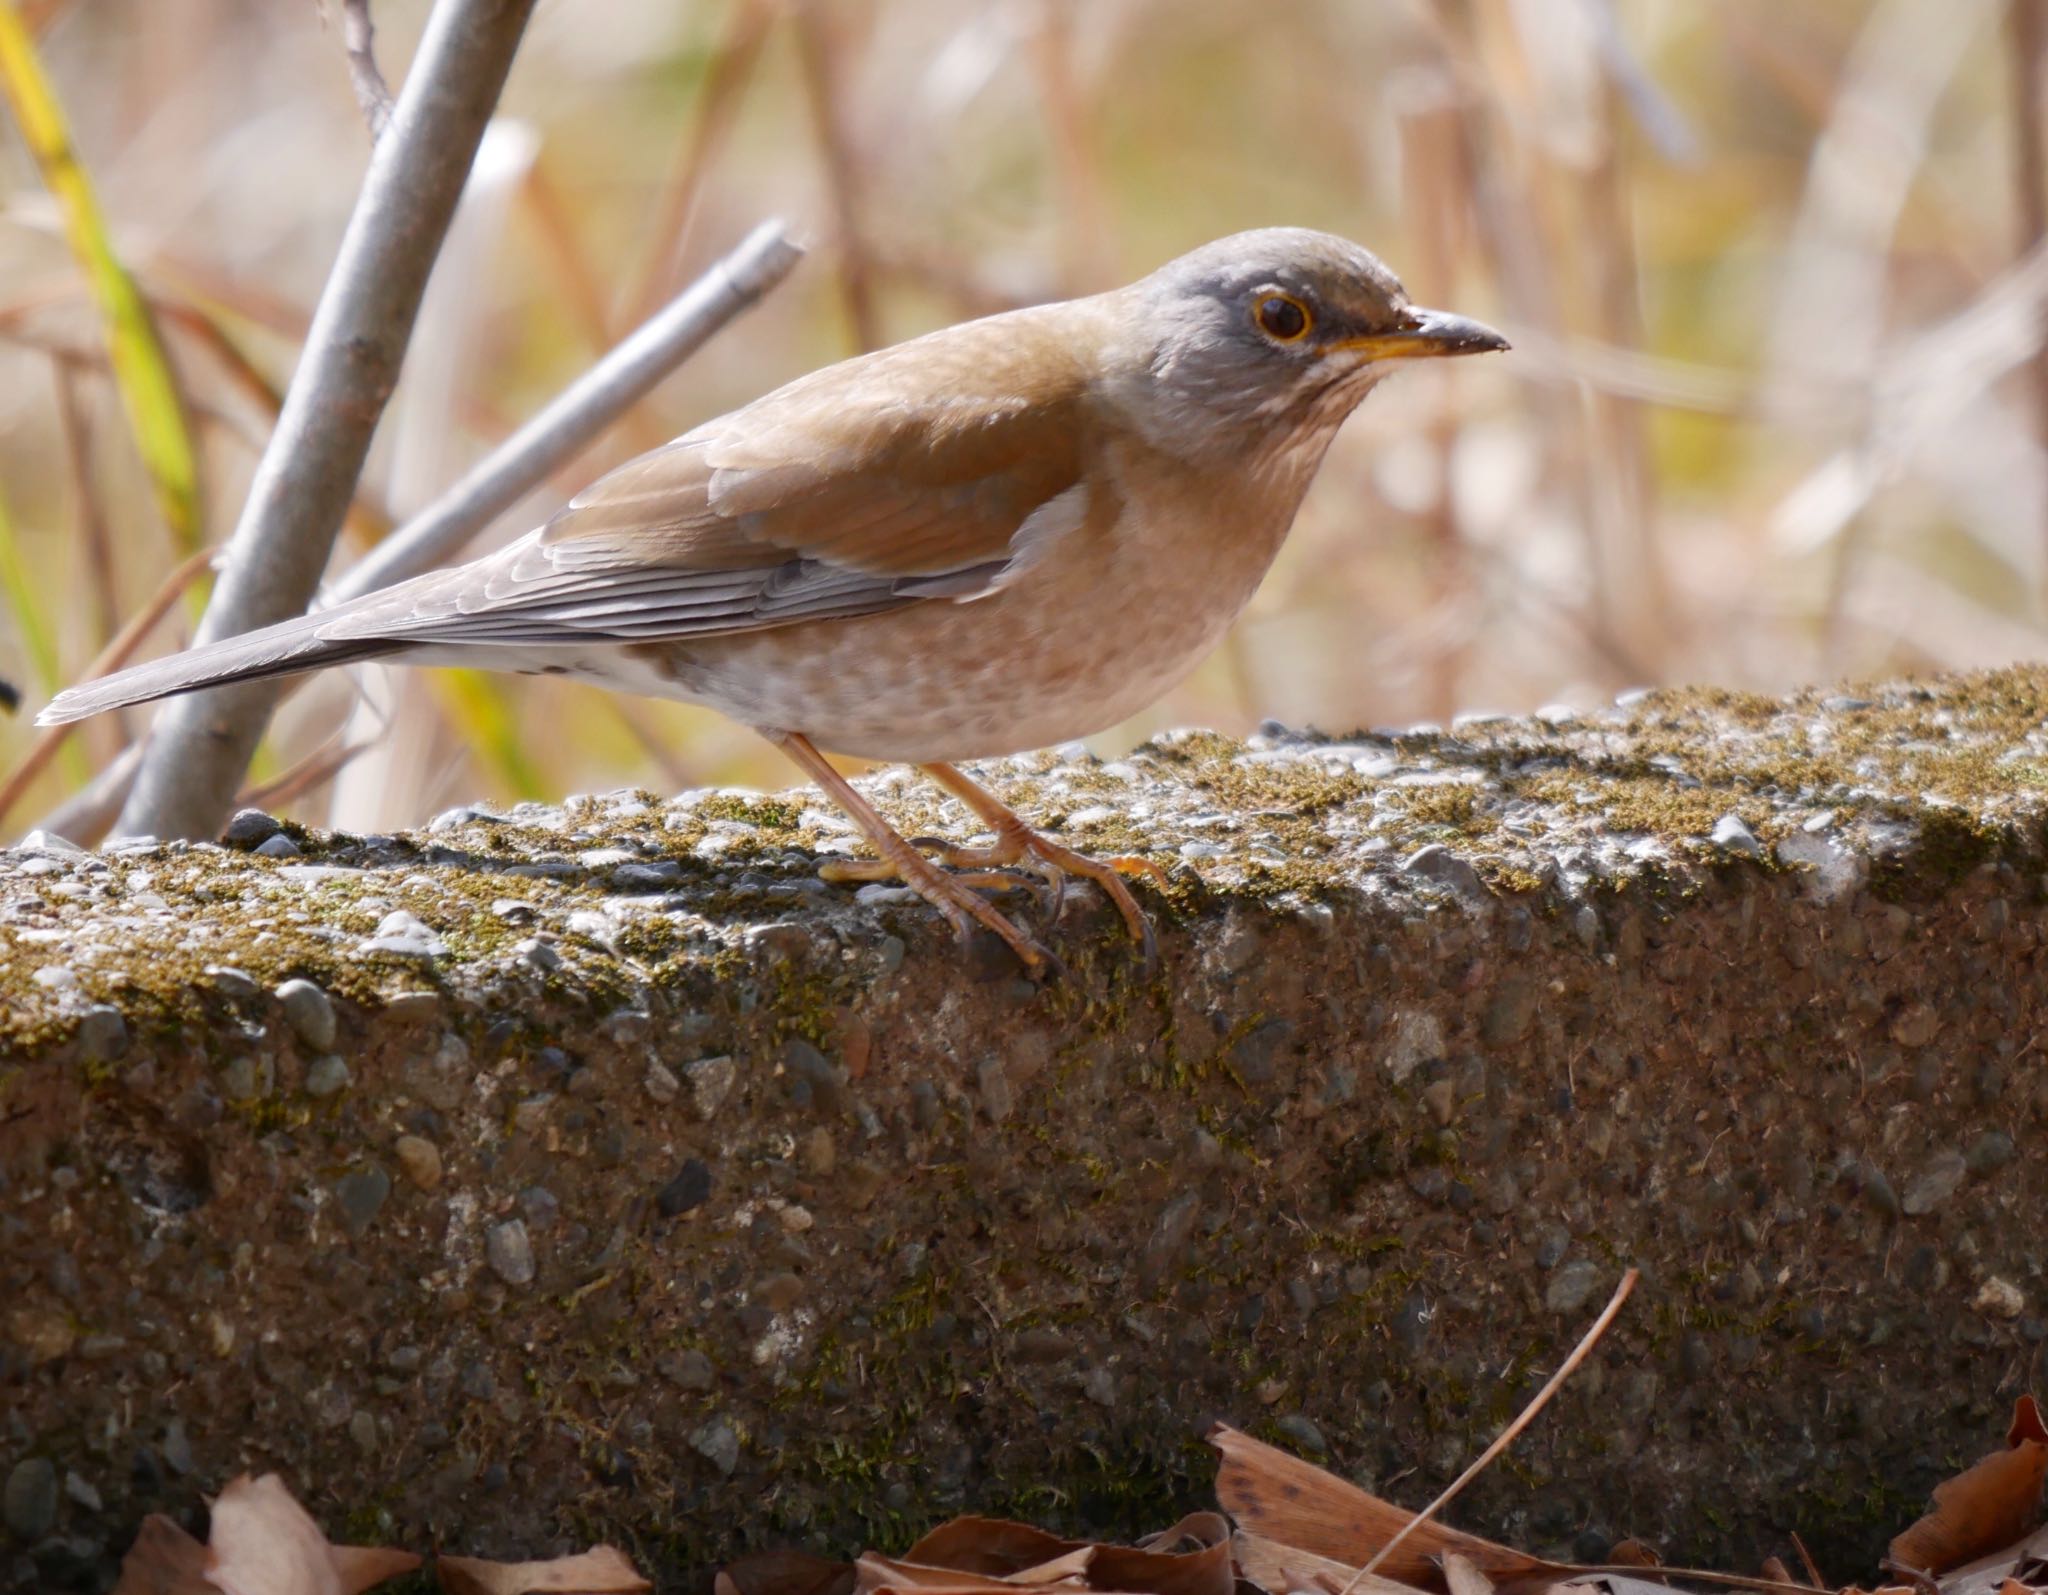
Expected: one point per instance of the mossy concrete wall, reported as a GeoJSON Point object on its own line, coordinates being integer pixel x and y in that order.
{"type": "Point", "coordinates": [596, 1172]}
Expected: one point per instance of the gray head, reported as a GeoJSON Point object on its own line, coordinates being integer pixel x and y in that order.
{"type": "Point", "coordinates": [1288, 326]}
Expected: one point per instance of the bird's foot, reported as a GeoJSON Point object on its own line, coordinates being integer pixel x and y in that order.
{"type": "Point", "coordinates": [1018, 844]}
{"type": "Point", "coordinates": [953, 895]}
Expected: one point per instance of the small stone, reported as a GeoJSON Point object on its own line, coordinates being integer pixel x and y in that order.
{"type": "Point", "coordinates": [1511, 1014]}
{"type": "Point", "coordinates": [327, 1076]}
{"type": "Point", "coordinates": [362, 1428]}
{"type": "Point", "coordinates": [1731, 835]}
{"type": "Point", "coordinates": [662, 1084]}
{"type": "Point", "coordinates": [657, 876]}
{"type": "Point", "coordinates": [718, 1443]}
{"type": "Point", "coordinates": [1915, 1025]}
{"type": "Point", "coordinates": [796, 1218]}
{"type": "Point", "coordinates": [250, 828]}
{"type": "Point", "coordinates": [711, 1082]}
{"type": "Point", "coordinates": [688, 1191]}
{"type": "Point", "coordinates": [780, 1292]}
{"type": "Point", "coordinates": [1043, 1345]}
{"type": "Point", "coordinates": [1303, 1432]}
{"type": "Point", "coordinates": [82, 1492]}
{"type": "Point", "coordinates": [56, 977]}
{"type": "Point", "coordinates": [419, 1160]}
{"type": "Point", "coordinates": [687, 1370]}
{"type": "Point", "coordinates": [403, 934]}
{"type": "Point", "coordinates": [1099, 1387]}
{"type": "Point", "coordinates": [1999, 1298]}
{"type": "Point", "coordinates": [1572, 1286]}
{"type": "Point", "coordinates": [234, 984]}
{"type": "Point", "coordinates": [361, 1194]}
{"type": "Point", "coordinates": [1438, 863]}
{"type": "Point", "coordinates": [29, 1504]}
{"type": "Point", "coordinates": [813, 1079]}
{"type": "Point", "coordinates": [177, 1447]}
{"type": "Point", "coordinates": [1990, 1151]}
{"type": "Point", "coordinates": [1877, 1190]}
{"type": "Point", "coordinates": [309, 1012]}
{"type": "Point", "coordinates": [997, 1096]}
{"type": "Point", "coordinates": [241, 1080]}
{"type": "Point", "coordinates": [510, 1252]}
{"type": "Point", "coordinates": [1440, 1097]}
{"type": "Point", "coordinates": [278, 846]}
{"type": "Point", "coordinates": [102, 1034]}
{"type": "Point", "coordinates": [818, 1152]}
{"type": "Point", "coordinates": [1936, 1184]}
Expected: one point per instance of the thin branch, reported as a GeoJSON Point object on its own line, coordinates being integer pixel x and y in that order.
{"type": "Point", "coordinates": [579, 412]}
{"type": "Point", "coordinates": [735, 284]}
{"type": "Point", "coordinates": [1537, 1403]}
{"type": "Point", "coordinates": [358, 40]}
{"type": "Point", "coordinates": [725, 79]}
{"type": "Point", "coordinates": [118, 651]}
{"type": "Point", "coordinates": [201, 744]}
{"type": "Point", "coordinates": [819, 53]}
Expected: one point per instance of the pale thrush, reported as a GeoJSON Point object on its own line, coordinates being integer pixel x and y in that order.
{"type": "Point", "coordinates": [1006, 534]}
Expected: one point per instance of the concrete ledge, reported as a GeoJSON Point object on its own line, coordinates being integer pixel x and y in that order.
{"type": "Point", "coordinates": [596, 1171]}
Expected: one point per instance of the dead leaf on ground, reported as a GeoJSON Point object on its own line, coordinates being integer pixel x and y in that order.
{"type": "Point", "coordinates": [164, 1560]}
{"type": "Point", "coordinates": [1464, 1577]}
{"type": "Point", "coordinates": [1983, 1508]}
{"type": "Point", "coordinates": [601, 1570]}
{"type": "Point", "coordinates": [786, 1573]}
{"type": "Point", "coordinates": [263, 1542]}
{"type": "Point", "coordinates": [1297, 1503]}
{"type": "Point", "coordinates": [1279, 1568]}
{"type": "Point", "coordinates": [983, 1554]}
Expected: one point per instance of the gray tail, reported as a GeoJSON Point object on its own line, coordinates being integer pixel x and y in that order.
{"type": "Point", "coordinates": [286, 649]}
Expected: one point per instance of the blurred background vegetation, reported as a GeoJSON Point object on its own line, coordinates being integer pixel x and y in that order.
{"type": "Point", "coordinates": [1774, 273]}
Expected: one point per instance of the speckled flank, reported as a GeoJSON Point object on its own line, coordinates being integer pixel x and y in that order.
{"type": "Point", "coordinates": [592, 1171]}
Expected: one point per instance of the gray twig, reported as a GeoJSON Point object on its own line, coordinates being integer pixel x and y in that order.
{"type": "Point", "coordinates": [363, 76]}
{"type": "Point", "coordinates": [579, 412]}
{"type": "Point", "coordinates": [202, 744]}
{"type": "Point", "coordinates": [583, 409]}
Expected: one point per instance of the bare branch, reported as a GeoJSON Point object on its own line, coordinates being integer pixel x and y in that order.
{"type": "Point", "coordinates": [357, 37]}
{"type": "Point", "coordinates": [202, 744]}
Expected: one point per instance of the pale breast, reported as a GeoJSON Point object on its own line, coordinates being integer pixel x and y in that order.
{"type": "Point", "coordinates": [1100, 626]}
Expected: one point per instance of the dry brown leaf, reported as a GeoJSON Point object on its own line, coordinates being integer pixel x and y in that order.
{"type": "Point", "coordinates": [1774, 1569]}
{"type": "Point", "coordinates": [874, 1571]}
{"type": "Point", "coordinates": [1284, 1498]}
{"type": "Point", "coordinates": [1463, 1577]}
{"type": "Point", "coordinates": [1279, 1568]}
{"type": "Point", "coordinates": [1983, 1508]}
{"type": "Point", "coordinates": [364, 1567]}
{"type": "Point", "coordinates": [1988, 1575]}
{"type": "Point", "coordinates": [601, 1570]}
{"type": "Point", "coordinates": [1634, 1553]}
{"type": "Point", "coordinates": [785, 1573]}
{"type": "Point", "coordinates": [164, 1560]}
{"type": "Point", "coordinates": [992, 1546]}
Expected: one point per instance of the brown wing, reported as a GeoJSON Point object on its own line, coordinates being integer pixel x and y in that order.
{"type": "Point", "coordinates": [937, 469]}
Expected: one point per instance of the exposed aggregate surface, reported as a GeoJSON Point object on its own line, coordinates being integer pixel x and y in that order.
{"type": "Point", "coordinates": [595, 1170]}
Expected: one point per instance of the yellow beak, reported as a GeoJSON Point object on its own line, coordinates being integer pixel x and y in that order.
{"type": "Point", "coordinates": [1428, 335]}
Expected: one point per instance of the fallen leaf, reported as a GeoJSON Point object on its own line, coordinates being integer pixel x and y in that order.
{"type": "Point", "coordinates": [785, 1573]}
{"type": "Point", "coordinates": [264, 1543]}
{"type": "Point", "coordinates": [1776, 1571]}
{"type": "Point", "coordinates": [164, 1560]}
{"type": "Point", "coordinates": [1984, 1507]}
{"type": "Point", "coordinates": [601, 1570]}
{"type": "Point", "coordinates": [989, 1545]}
{"type": "Point", "coordinates": [1463, 1577]}
{"type": "Point", "coordinates": [1284, 1498]}
{"type": "Point", "coordinates": [364, 1567]}
{"type": "Point", "coordinates": [1634, 1553]}
{"type": "Point", "coordinates": [1279, 1568]}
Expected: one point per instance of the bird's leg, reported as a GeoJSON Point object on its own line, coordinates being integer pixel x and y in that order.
{"type": "Point", "coordinates": [949, 894]}
{"type": "Point", "coordinates": [1016, 841]}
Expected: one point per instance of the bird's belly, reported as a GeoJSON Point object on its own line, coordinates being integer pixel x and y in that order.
{"type": "Point", "coordinates": [1034, 664]}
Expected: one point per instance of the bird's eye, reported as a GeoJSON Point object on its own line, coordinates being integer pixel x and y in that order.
{"type": "Point", "coordinates": [1281, 316]}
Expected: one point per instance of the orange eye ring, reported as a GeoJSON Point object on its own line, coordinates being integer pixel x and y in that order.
{"type": "Point", "coordinates": [1281, 316]}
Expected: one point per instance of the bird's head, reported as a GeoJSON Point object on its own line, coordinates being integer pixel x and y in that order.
{"type": "Point", "coordinates": [1282, 326]}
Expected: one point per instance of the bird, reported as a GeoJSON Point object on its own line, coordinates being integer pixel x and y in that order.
{"type": "Point", "coordinates": [1003, 535]}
